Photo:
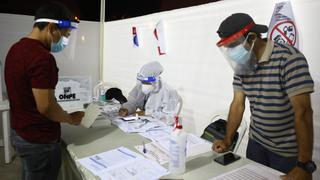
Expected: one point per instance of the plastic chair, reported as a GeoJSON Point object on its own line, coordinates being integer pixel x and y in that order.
{"type": "Point", "coordinates": [241, 130]}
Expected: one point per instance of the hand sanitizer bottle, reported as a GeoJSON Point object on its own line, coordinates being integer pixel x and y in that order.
{"type": "Point", "coordinates": [178, 151]}
{"type": "Point", "coordinates": [99, 92]}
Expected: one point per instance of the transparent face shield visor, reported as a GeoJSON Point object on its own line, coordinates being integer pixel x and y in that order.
{"type": "Point", "coordinates": [149, 81]}
{"type": "Point", "coordinates": [146, 80]}
{"type": "Point", "coordinates": [69, 39]}
{"type": "Point", "coordinates": [239, 53]}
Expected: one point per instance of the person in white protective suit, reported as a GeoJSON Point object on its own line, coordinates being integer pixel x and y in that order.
{"type": "Point", "coordinates": [151, 95]}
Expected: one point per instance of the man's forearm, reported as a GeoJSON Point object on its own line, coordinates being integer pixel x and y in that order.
{"type": "Point", "coordinates": [234, 121]}
{"type": "Point", "coordinates": [304, 133]}
{"type": "Point", "coordinates": [56, 113]}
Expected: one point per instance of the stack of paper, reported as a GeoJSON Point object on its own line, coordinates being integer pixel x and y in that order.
{"type": "Point", "coordinates": [122, 163]}
{"type": "Point", "coordinates": [158, 149]}
{"type": "Point", "coordinates": [154, 152]}
{"type": "Point", "coordinates": [195, 145]}
{"type": "Point", "coordinates": [249, 172]}
{"type": "Point", "coordinates": [157, 134]}
{"type": "Point", "coordinates": [143, 124]}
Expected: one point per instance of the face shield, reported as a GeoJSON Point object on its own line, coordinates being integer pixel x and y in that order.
{"type": "Point", "coordinates": [67, 43]}
{"type": "Point", "coordinates": [239, 52]}
{"type": "Point", "coordinates": [148, 84]}
{"type": "Point", "coordinates": [146, 80]}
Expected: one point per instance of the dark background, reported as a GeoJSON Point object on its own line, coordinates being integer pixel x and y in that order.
{"type": "Point", "coordinates": [89, 10]}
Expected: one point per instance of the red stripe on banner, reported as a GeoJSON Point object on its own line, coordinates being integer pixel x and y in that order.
{"type": "Point", "coordinates": [160, 53]}
{"type": "Point", "coordinates": [155, 33]}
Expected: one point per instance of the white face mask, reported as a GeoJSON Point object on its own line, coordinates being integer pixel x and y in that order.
{"type": "Point", "coordinates": [147, 89]}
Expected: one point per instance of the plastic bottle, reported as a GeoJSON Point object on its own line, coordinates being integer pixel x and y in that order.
{"type": "Point", "coordinates": [99, 91]}
{"type": "Point", "coordinates": [178, 151]}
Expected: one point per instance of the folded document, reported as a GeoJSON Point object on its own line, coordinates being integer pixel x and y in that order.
{"type": "Point", "coordinates": [91, 113]}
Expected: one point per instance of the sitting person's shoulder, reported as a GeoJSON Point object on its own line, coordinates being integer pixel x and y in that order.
{"type": "Point", "coordinates": [170, 89]}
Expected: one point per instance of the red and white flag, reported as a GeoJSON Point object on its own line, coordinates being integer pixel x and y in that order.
{"type": "Point", "coordinates": [159, 33]}
{"type": "Point", "coordinates": [136, 37]}
{"type": "Point", "coordinates": [282, 28]}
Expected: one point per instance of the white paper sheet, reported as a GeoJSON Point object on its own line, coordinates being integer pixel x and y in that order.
{"type": "Point", "coordinates": [140, 169]}
{"type": "Point", "coordinates": [122, 164]}
{"type": "Point", "coordinates": [106, 160]}
{"type": "Point", "coordinates": [195, 145]}
{"type": "Point", "coordinates": [72, 92]}
{"type": "Point", "coordinates": [91, 113]}
{"type": "Point", "coordinates": [143, 124]}
{"type": "Point", "coordinates": [157, 134]}
{"type": "Point", "coordinates": [154, 153]}
{"type": "Point", "coordinates": [249, 172]}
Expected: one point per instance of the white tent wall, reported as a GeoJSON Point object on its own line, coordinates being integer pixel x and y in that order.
{"type": "Point", "coordinates": [193, 64]}
{"type": "Point", "coordinates": [86, 59]}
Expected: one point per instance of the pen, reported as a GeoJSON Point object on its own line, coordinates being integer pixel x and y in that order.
{"type": "Point", "coordinates": [144, 150]}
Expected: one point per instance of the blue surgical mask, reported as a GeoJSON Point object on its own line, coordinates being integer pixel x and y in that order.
{"type": "Point", "coordinates": [239, 54]}
{"type": "Point", "coordinates": [60, 45]}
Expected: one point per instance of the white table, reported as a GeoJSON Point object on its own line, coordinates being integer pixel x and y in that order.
{"type": "Point", "coordinates": [4, 109]}
{"type": "Point", "coordinates": [82, 142]}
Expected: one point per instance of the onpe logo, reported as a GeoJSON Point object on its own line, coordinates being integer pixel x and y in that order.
{"type": "Point", "coordinates": [67, 94]}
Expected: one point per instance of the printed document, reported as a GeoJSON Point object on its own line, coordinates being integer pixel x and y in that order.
{"type": "Point", "coordinates": [122, 163]}
{"type": "Point", "coordinates": [249, 172]}
{"type": "Point", "coordinates": [103, 161]}
{"type": "Point", "coordinates": [140, 169]}
{"type": "Point", "coordinates": [157, 134]}
{"type": "Point", "coordinates": [153, 152]}
{"type": "Point", "coordinates": [143, 124]}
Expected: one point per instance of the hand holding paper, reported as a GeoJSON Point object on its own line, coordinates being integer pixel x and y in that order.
{"type": "Point", "coordinates": [76, 117]}
{"type": "Point", "coordinates": [91, 113]}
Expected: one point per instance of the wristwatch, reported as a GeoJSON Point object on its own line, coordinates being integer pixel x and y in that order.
{"type": "Point", "coordinates": [308, 166]}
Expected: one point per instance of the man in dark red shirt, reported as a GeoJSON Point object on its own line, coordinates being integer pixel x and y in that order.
{"type": "Point", "coordinates": [31, 75]}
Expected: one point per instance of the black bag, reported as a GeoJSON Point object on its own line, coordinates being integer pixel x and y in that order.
{"type": "Point", "coordinates": [216, 131]}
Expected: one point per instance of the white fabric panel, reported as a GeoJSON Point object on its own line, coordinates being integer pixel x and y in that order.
{"type": "Point", "coordinates": [86, 62]}
{"type": "Point", "coordinates": [13, 27]}
{"type": "Point", "coordinates": [86, 59]}
{"type": "Point", "coordinates": [193, 64]}
{"type": "Point", "coordinates": [307, 14]}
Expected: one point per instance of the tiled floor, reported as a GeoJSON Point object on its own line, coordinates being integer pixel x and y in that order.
{"type": "Point", "coordinates": [11, 171]}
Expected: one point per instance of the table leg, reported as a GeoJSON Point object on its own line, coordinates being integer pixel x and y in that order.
{"type": "Point", "coordinates": [6, 136]}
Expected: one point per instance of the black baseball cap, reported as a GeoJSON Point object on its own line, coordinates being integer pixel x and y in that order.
{"type": "Point", "coordinates": [115, 93]}
{"type": "Point", "coordinates": [237, 22]}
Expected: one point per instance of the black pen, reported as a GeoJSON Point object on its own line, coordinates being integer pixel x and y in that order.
{"type": "Point", "coordinates": [144, 150]}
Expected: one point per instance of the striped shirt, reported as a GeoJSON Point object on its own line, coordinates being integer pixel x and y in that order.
{"type": "Point", "coordinates": [282, 72]}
